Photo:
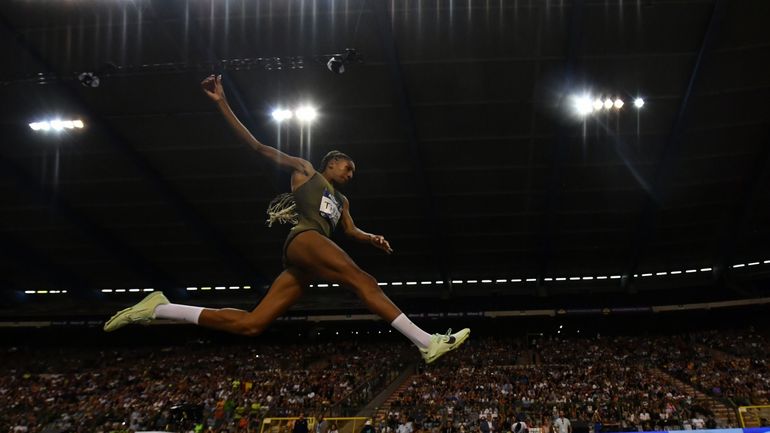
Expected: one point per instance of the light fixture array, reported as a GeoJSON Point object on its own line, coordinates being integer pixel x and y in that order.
{"type": "Point", "coordinates": [56, 125]}
{"type": "Point", "coordinates": [304, 113]}
{"type": "Point", "coordinates": [585, 105]}
{"type": "Point", "coordinates": [439, 282]}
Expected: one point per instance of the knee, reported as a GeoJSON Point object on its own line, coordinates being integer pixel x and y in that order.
{"type": "Point", "coordinates": [362, 282]}
{"type": "Point", "coordinates": [251, 328]}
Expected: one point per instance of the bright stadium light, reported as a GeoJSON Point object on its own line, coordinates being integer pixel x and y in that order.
{"type": "Point", "coordinates": [608, 103]}
{"type": "Point", "coordinates": [598, 104]}
{"type": "Point", "coordinates": [56, 125]}
{"type": "Point", "coordinates": [280, 114]}
{"type": "Point", "coordinates": [638, 102]}
{"type": "Point", "coordinates": [306, 113]}
{"type": "Point", "coordinates": [583, 105]}
{"type": "Point", "coordinates": [618, 103]}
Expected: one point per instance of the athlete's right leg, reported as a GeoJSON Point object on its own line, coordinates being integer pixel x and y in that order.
{"type": "Point", "coordinates": [320, 257]}
{"type": "Point", "coordinates": [285, 290]}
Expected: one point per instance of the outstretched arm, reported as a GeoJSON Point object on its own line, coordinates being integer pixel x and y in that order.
{"type": "Point", "coordinates": [212, 86]}
{"type": "Point", "coordinates": [354, 232]}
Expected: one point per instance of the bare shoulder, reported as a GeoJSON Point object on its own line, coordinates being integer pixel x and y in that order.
{"type": "Point", "coordinates": [303, 172]}
{"type": "Point", "coordinates": [305, 167]}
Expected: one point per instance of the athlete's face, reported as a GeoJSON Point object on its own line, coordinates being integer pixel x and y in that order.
{"type": "Point", "coordinates": [342, 170]}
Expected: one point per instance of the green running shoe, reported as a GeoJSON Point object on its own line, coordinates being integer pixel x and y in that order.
{"type": "Point", "coordinates": [443, 343]}
{"type": "Point", "coordinates": [142, 312]}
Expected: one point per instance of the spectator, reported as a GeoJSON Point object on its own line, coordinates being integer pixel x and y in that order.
{"type": "Point", "coordinates": [596, 420]}
{"type": "Point", "coordinates": [561, 424]}
{"type": "Point", "coordinates": [300, 425]}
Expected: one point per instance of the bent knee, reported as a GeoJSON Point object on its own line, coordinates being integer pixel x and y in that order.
{"type": "Point", "coordinates": [362, 283]}
{"type": "Point", "coordinates": [360, 280]}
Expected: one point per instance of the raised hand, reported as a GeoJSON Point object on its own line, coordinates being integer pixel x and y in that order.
{"type": "Point", "coordinates": [212, 87]}
{"type": "Point", "coordinates": [380, 242]}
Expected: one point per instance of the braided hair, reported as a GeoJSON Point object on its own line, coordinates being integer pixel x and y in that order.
{"type": "Point", "coordinates": [333, 155]}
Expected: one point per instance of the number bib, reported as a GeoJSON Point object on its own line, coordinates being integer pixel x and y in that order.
{"type": "Point", "coordinates": [331, 208]}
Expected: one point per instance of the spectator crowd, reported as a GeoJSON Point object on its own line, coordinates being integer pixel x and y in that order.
{"type": "Point", "coordinates": [554, 384]}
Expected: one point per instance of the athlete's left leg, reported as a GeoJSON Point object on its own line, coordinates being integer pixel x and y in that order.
{"type": "Point", "coordinates": [283, 293]}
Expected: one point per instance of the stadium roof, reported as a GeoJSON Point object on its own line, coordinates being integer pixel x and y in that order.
{"type": "Point", "coordinates": [460, 118]}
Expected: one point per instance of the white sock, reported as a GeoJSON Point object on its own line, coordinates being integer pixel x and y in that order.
{"type": "Point", "coordinates": [411, 331]}
{"type": "Point", "coordinates": [185, 313]}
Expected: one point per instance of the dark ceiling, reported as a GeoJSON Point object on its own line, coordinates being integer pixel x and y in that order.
{"type": "Point", "coordinates": [468, 158]}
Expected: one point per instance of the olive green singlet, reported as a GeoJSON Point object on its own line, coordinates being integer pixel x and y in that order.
{"type": "Point", "coordinates": [319, 208]}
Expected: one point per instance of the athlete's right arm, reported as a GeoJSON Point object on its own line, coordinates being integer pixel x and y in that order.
{"type": "Point", "coordinates": [212, 86]}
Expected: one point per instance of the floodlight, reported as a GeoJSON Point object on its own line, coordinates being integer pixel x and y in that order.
{"type": "Point", "coordinates": [337, 62]}
{"type": "Point", "coordinates": [280, 114]}
{"type": "Point", "coordinates": [618, 103]}
{"type": "Point", "coordinates": [583, 105]}
{"type": "Point", "coordinates": [306, 113]}
{"type": "Point", "coordinates": [56, 125]}
{"type": "Point", "coordinates": [638, 102]}
{"type": "Point", "coordinates": [89, 79]}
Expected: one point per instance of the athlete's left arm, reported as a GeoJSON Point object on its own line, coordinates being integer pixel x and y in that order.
{"type": "Point", "coordinates": [354, 232]}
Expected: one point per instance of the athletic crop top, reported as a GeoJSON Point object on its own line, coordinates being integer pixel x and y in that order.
{"type": "Point", "coordinates": [319, 206]}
